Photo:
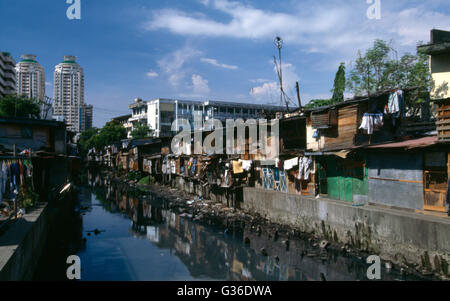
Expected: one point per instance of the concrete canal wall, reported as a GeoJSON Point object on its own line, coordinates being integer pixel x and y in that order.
{"type": "Point", "coordinates": [404, 238]}
{"type": "Point", "coordinates": [22, 244]}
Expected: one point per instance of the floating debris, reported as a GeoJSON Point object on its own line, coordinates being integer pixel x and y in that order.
{"type": "Point", "coordinates": [324, 244]}
{"type": "Point", "coordinates": [264, 252]}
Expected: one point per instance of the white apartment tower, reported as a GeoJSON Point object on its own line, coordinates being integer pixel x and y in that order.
{"type": "Point", "coordinates": [68, 102]}
{"type": "Point", "coordinates": [30, 78]}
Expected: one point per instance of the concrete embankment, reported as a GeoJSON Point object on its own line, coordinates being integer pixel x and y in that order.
{"type": "Point", "coordinates": [22, 244]}
{"type": "Point", "coordinates": [404, 238]}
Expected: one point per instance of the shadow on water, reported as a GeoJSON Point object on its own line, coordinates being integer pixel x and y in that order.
{"type": "Point", "coordinates": [125, 234]}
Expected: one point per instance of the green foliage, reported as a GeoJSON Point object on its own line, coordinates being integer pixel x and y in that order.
{"type": "Point", "coordinates": [370, 72]}
{"type": "Point", "coordinates": [379, 70]}
{"type": "Point", "coordinates": [140, 131]}
{"type": "Point", "coordinates": [110, 133]}
{"type": "Point", "coordinates": [144, 180]}
{"type": "Point", "coordinates": [99, 138]}
{"type": "Point", "coordinates": [19, 106]}
{"type": "Point", "coordinates": [87, 140]}
{"type": "Point", "coordinates": [339, 85]}
{"type": "Point", "coordinates": [315, 103]}
{"type": "Point", "coordinates": [27, 198]}
{"type": "Point", "coordinates": [134, 175]}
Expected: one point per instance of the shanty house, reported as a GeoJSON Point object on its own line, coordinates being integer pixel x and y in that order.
{"type": "Point", "coordinates": [338, 134]}
{"type": "Point", "coordinates": [410, 174]}
{"type": "Point", "coordinates": [33, 134]}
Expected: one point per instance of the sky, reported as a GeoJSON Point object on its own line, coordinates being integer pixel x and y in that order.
{"type": "Point", "coordinates": [209, 49]}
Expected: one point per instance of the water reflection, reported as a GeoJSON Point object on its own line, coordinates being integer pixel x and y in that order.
{"type": "Point", "coordinates": [161, 245]}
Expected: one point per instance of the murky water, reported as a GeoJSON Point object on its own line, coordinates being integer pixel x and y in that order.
{"type": "Point", "coordinates": [119, 236]}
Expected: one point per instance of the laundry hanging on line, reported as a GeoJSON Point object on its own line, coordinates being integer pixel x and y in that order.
{"type": "Point", "coordinates": [304, 168]}
{"type": "Point", "coordinates": [371, 122]}
{"type": "Point", "coordinates": [13, 174]}
{"type": "Point", "coordinates": [396, 106]}
{"type": "Point", "coordinates": [237, 167]}
{"type": "Point", "coordinates": [291, 163]}
{"type": "Point", "coordinates": [246, 164]}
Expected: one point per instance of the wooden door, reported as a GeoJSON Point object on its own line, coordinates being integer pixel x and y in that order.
{"type": "Point", "coordinates": [435, 178]}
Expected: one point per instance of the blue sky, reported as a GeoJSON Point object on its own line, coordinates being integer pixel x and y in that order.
{"type": "Point", "coordinates": [208, 49]}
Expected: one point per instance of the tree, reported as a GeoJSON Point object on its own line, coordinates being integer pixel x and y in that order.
{"type": "Point", "coordinates": [315, 103]}
{"type": "Point", "coordinates": [110, 133]}
{"type": "Point", "coordinates": [339, 85]}
{"type": "Point", "coordinates": [140, 131]}
{"type": "Point", "coordinates": [369, 74]}
{"type": "Point", "coordinates": [19, 106]}
{"type": "Point", "coordinates": [87, 140]}
{"type": "Point", "coordinates": [377, 71]}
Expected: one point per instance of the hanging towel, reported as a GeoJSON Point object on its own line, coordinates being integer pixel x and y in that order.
{"type": "Point", "coordinates": [237, 167]}
{"type": "Point", "coordinates": [371, 122]}
{"type": "Point", "coordinates": [289, 164]}
{"type": "Point", "coordinates": [393, 103]}
{"type": "Point", "coordinates": [246, 164]}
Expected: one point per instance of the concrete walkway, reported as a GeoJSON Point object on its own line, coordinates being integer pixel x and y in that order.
{"type": "Point", "coordinates": [21, 244]}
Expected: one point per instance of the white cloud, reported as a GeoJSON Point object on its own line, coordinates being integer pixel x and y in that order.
{"type": "Point", "coordinates": [269, 89]}
{"type": "Point", "coordinates": [337, 28]}
{"type": "Point", "coordinates": [48, 84]}
{"type": "Point", "coordinates": [217, 64]}
{"type": "Point", "coordinates": [266, 89]}
{"type": "Point", "coordinates": [200, 85]}
{"type": "Point", "coordinates": [333, 30]}
{"type": "Point", "coordinates": [414, 24]}
{"type": "Point", "coordinates": [246, 22]}
{"type": "Point", "coordinates": [152, 74]}
{"type": "Point", "coordinates": [173, 64]}
{"type": "Point", "coordinates": [259, 81]}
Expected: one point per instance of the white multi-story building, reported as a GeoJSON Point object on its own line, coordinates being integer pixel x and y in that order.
{"type": "Point", "coordinates": [68, 100]}
{"type": "Point", "coordinates": [159, 114]}
{"type": "Point", "coordinates": [30, 78]}
{"type": "Point", "coordinates": [7, 74]}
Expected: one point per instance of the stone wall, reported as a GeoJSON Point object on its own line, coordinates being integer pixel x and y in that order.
{"type": "Point", "coordinates": [401, 237]}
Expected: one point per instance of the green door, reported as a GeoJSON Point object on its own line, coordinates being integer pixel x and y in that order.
{"type": "Point", "coordinates": [347, 190]}
{"type": "Point", "coordinates": [333, 178]}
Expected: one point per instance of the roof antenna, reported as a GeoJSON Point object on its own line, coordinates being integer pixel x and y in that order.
{"type": "Point", "coordinates": [283, 97]}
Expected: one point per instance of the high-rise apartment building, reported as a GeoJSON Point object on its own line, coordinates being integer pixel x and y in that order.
{"type": "Point", "coordinates": [68, 100]}
{"type": "Point", "coordinates": [30, 78]}
{"type": "Point", "coordinates": [7, 74]}
{"type": "Point", "coordinates": [86, 115]}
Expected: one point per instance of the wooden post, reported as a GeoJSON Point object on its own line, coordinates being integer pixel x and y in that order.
{"type": "Point", "coordinates": [15, 200]}
{"type": "Point", "coordinates": [298, 96]}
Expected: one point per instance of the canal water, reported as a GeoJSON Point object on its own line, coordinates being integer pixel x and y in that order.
{"type": "Point", "coordinates": [123, 234]}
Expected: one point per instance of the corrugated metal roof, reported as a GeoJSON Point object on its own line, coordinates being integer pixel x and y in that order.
{"type": "Point", "coordinates": [413, 143]}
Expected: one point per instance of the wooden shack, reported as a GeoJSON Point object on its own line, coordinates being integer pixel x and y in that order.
{"type": "Point", "coordinates": [333, 138]}
{"type": "Point", "coordinates": [443, 120]}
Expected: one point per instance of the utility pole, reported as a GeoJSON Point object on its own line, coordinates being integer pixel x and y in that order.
{"type": "Point", "coordinates": [298, 96]}
{"type": "Point", "coordinates": [279, 44]}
